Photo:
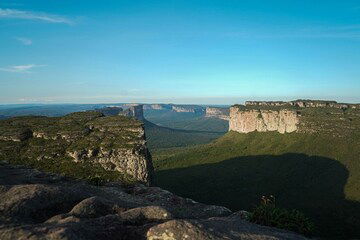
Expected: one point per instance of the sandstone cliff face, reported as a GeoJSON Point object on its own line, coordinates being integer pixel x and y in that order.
{"type": "Point", "coordinates": [135, 111]}
{"type": "Point", "coordinates": [188, 108]}
{"type": "Point", "coordinates": [245, 121]}
{"type": "Point", "coordinates": [115, 143]}
{"type": "Point", "coordinates": [157, 107]}
{"type": "Point", "coordinates": [222, 113]}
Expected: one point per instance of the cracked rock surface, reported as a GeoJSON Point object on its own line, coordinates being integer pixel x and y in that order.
{"type": "Point", "coordinates": [37, 205]}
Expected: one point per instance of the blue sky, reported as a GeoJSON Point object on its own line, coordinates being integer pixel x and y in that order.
{"type": "Point", "coordinates": [199, 51]}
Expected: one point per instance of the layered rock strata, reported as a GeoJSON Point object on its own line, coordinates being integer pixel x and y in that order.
{"type": "Point", "coordinates": [188, 108]}
{"type": "Point", "coordinates": [245, 121]}
{"type": "Point", "coordinates": [135, 111]}
{"type": "Point", "coordinates": [216, 112]}
{"type": "Point", "coordinates": [116, 143]}
{"type": "Point", "coordinates": [157, 107]}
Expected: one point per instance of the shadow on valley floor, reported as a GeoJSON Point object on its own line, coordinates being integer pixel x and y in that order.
{"type": "Point", "coordinates": [312, 184]}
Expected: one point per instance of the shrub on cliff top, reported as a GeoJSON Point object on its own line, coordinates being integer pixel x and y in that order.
{"type": "Point", "coordinates": [269, 215]}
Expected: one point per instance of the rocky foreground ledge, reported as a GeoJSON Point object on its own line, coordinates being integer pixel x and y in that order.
{"type": "Point", "coordinates": [37, 205]}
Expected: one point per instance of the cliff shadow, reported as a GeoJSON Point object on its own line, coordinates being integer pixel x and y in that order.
{"type": "Point", "coordinates": [312, 184]}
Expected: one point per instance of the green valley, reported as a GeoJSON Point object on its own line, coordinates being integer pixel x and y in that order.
{"type": "Point", "coordinates": [315, 173]}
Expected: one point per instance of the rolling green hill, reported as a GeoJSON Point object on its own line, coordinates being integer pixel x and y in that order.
{"type": "Point", "coordinates": [315, 173]}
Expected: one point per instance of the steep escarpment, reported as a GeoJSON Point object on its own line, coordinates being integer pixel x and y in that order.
{"type": "Point", "coordinates": [112, 143]}
{"type": "Point", "coordinates": [305, 104]}
{"type": "Point", "coordinates": [135, 111]}
{"type": "Point", "coordinates": [188, 108]}
{"type": "Point", "coordinates": [131, 110]}
{"type": "Point", "coordinates": [216, 112]}
{"type": "Point", "coordinates": [35, 205]}
{"type": "Point", "coordinates": [157, 106]}
{"type": "Point", "coordinates": [326, 117]}
{"type": "Point", "coordinates": [246, 121]}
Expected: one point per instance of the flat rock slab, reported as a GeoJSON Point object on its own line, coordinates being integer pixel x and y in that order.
{"type": "Point", "coordinates": [36, 205]}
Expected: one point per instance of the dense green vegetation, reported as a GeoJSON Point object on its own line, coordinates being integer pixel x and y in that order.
{"type": "Point", "coordinates": [268, 214]}
{"type": "Point", "coordinates": [44, 143]}
{"type": "Point", "coordinates": [315, 173]}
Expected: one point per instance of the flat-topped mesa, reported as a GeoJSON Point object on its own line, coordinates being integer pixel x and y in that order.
{"type": "Point", "coordinates": [303, 104]}
{"type": "Point", "coordinates": [265, 103]}
{"type": "Point", "coordinates": [110, 111]}
{"type": "Point", "coordinates": [250, 120]}
{"type": "Point", "coordinates": [188, 108]}
{"type": "Point", "coordinates": [157, 106]}
{"type": "Point", "coordinates": [114, 143]}
{"type": "Point", "coordinates": [217, 112]}
{"type": "Point", "coordinates": [135, 111]}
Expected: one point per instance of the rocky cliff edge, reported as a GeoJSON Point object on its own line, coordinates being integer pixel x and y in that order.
{"type": "Point", "coordinates": [245, 121]}
{"type": "Point", "coordinates": [35, 205]}
{"type": "Point", "coordinates": [113, 143]}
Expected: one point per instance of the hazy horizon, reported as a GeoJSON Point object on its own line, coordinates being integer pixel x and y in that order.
{"type": "Point", "coordinates": [198, 52]}
{"type": "Point", "coordinates": [189, 102]}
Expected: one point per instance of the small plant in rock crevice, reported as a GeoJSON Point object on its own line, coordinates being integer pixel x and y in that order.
{"type": "Point", "coordinates": [266, 213]}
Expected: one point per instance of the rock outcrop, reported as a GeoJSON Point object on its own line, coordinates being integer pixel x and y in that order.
{"type": "Point", "coordinates": [135, 111]}
{"type": "Point", "coordinates": [114, 143]}
{"type": "Point", "coordinates": [245, 121]}
{"type": "Point", "coordinates": [110, 111]}
{"type": "Point", "coordinates": [157, 107]}
{"type": "Point", "coordinates": [188, 108]}
{"type": "Point", "coordinates": [35, 205]}
{"type": "Point", "coordinates": [216, 112]}
{"type": "Point", "coordinates": [306, 116]}
{"type": "Point", "coordinates": [304, 104]}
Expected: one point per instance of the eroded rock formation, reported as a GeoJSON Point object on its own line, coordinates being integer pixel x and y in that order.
{"type": "Point", "coordinates": [188, 108]}
{"type": "Point", "coordinates": [245, 121]}
{"type": "Point", "coordinates": [135, 111]}
{"type": "Point", "coordinates": [115, 143]}
{"type": "Point", "coordinates": [216, 112]}
{"type": "Point", "coordinates": [157, 107]}
{"type": "Point", "coordinates": [35, 205]}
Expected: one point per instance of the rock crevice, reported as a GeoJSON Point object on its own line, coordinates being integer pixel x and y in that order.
{"type": "Point", "coordinates": [36, 205]}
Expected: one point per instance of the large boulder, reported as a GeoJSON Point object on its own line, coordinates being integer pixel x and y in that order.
{"type": "Point", "coordinates": [233, 227]}
{"type": "Point", "coordinates": [36, 205]}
